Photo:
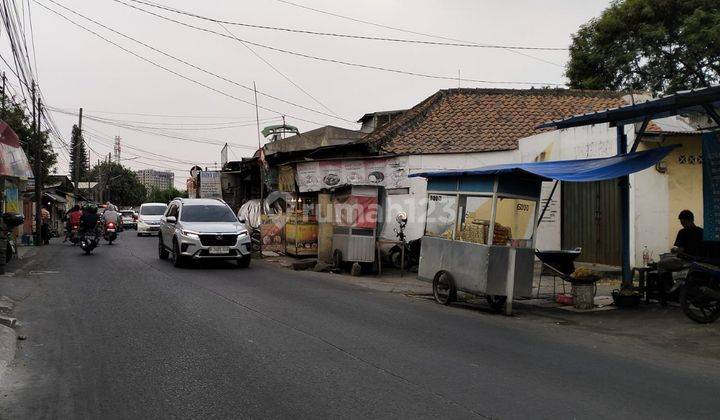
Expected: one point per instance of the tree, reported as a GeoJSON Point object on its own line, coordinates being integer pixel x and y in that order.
{"type": "Point", "coordinates": [78, 156]}
{"type": "Point", "coordinates": [661, 46]}
{"type": "Point", "coordinates": [16, 117]}
{"type": "Point", "coordinates": [118, 184]}
{"type": "Point", "coordinates": [164, 196]}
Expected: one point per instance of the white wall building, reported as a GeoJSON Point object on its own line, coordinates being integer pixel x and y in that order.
{"type": "Point", "coordinates": [159, 180]}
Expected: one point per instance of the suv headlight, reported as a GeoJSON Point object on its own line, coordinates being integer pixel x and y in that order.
{"type": "Point", "coordinates": [190, 234]}
{"type": "Point", "coordinates": [242, 234]}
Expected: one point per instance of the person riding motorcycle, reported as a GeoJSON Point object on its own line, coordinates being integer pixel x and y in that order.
{"type": "Point", "coordinates": [89, 220]}
{"type": "Point", "coordinates": [73, 220]}
{"type": "Point", "coordinates": [111, 215]}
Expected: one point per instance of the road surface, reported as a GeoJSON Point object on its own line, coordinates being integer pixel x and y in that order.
{"type": "Point", "coordinates": [121, 334]}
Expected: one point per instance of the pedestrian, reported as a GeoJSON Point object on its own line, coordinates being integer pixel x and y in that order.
{"type": "Point", "coordinates": [45, 226]}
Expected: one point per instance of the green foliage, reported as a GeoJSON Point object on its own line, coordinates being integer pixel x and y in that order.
{"type": "Point", "coordinates": [118, 184]}
{"type": "Point", "coordinates": [657, 45]}
{"type": "Point", "coordinates": [164, 196]}
{"type": "Point", "coordinates": [78, 155]}
{"type": "Point", "coordinates": [16, 117]}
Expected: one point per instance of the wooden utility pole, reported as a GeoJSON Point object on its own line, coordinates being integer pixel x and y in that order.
{"type": "Point", "coordinates": [77, 152]}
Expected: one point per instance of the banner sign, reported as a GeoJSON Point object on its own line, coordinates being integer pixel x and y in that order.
{"type": "Point", "coordinates": [385, 172]}
{"type": "Point", "coordinates": [13, 161]}
{"type": "Point", "coordinates": [210, 186]}
{"type": "Point", "coordinates": [12, 198]}
{"type": "Point", "coordinates": [286, 178]}
{"type": "Point", "coordinates": [711, 186]}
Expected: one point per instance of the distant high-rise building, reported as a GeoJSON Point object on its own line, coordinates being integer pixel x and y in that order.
{"type": "Point", "coordinates": [159, 180]}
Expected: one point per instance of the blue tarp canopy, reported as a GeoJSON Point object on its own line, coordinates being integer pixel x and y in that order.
{"type": "Point", "coordinates": [583, 170]}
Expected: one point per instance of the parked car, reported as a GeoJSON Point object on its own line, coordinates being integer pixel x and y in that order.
{"type": "Point", "coordinates": [129, 219]}
{"type": "Point", "coordinates": [195, 229]}
{"type": "Point", "coordinates": [148, 222]}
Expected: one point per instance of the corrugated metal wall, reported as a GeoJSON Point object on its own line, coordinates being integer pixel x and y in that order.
{"type": "Point", "coordinates": [591, 220]}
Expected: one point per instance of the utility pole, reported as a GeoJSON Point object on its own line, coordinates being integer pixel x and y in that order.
{"type": "Point", "coordinates": [38, 171]}
{"type": "Point", "coordinates": [77, 153]}
{"type": "Point", "coordinates": [3, 96]}
{"type": "Point", "coordinates": [257, 119]}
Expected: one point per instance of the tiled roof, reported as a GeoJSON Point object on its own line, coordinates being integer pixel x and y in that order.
{"type": "Point", "coordinates": [482, 120]}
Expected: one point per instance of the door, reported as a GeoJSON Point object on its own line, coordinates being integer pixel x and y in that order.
{"type": "Point", "coordinates": [591, 220]}
{"type": "Point", "coordinates": [167, 230]}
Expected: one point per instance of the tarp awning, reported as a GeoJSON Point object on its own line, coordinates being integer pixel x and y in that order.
{"type": "Point", "coordinates": [583, 170]}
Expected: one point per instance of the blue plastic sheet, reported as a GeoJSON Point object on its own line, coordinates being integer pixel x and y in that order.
{"type": "Point", "coordinates": [583, 170]}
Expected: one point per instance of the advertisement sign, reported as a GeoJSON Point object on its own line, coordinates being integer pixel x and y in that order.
{"type": "Point", "coordinates": [13, 161]}
{"type": "Point", "coordinates": [711, 186]}
{"type": "Point", "coordinates": [389, 173]}
{"type": "Point", "coordinates": [210, 186]}
{"type": "Point", "coordinates": [12, 198]}
{"type": "Point", "coordinates": [286, 178]}
{"type": "Point", "coordinates": [272, 230]}
{"type": "Point", "coordinates": [301, 235]}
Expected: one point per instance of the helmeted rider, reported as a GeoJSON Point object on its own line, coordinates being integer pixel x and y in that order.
{"type": "Point", "coordinates": [74, 216]}
{"type": "Point", "coordinates": [89, 219]}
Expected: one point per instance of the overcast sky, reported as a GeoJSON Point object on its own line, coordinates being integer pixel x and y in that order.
{"type": "Point", "coordinates": [77, 69]}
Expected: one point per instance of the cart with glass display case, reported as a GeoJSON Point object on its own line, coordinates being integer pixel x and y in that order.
{"type": "Point", "coordinates": [479, 235]}
{"type": "Point", "coordinates": [301, 227]}
{"type": "Point", "coordinates": [355, 212]}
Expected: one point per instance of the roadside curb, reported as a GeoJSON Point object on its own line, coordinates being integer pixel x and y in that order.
{"type": "Point", "coordinates": [8, 347]}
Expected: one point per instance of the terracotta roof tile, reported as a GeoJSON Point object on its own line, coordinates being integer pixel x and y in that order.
{"type": "Point", "coordinates": [482, 120]}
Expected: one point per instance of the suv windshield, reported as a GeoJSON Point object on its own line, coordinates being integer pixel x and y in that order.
{"type": "Point", "coordinates": [207, 213]}
{"type": "Point", "coordinates": [152, 210]}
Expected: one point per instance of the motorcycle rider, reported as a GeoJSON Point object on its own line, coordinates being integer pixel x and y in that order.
{"type": "Point", "coordinates": [111, 215]}
{"type": "Point", "coordinates": [73, 220]}
{"type": "Point", "coordinates": [89, 220]}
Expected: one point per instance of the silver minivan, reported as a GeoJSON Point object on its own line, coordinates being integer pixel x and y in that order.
{"type": "Point", "coordinates": [202, 229]}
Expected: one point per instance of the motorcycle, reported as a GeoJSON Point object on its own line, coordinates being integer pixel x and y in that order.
{"type": "Point", "coordinates": [700, 293]}
{"type": "Point", "coordinates": [89, 241]}
{"type": "Point", "coordinates": [110, 232]}
{"type": "Point", "coordinates": [74, 236]}
{"type": "Point", "coordinates": [412, 248]}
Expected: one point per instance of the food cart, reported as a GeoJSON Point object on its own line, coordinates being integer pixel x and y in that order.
{"type": "Point", "coordinates": [355, 210]}
{"type": "Point", "coordinates": [301, 227]}
{"type": "Point", "coordinates": [481, 223]}
{"type": "Point", "coordinates": [479, 235]}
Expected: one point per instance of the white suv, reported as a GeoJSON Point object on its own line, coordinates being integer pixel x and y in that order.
{"type": "Point", "coordinates": [202, 229]}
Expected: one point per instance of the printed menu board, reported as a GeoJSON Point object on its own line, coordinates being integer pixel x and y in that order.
{"type": "Point", "coordinates": [711, 186]}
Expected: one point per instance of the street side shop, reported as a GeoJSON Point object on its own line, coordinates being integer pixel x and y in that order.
{"type": "Point", "coordinates": [489, 216]}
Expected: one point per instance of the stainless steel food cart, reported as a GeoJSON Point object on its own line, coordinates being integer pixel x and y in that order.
{"type": "Point", "coordinates": [354, 226]}
{"type": "Point", "coordinates": [479, 235]}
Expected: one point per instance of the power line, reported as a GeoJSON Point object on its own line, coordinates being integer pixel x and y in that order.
{"type": "Point", "coordinates": [157, 132]}
{"type": "Point", "coordinates": [160, 66]}
{"type": "Point", "coordinates": [276, 70]}
{"type": "Point", "coordinates": [187, 63]}
{"type": "Point", "coordinates": [333, 60]}
{"type": "Point", "coordinates": [350, 36]}
{"type": "Point", "coordinates": [379, 25]}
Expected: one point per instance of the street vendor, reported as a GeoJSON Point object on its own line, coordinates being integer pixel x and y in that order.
{"type": "Point", "coordinates": [689, 239]}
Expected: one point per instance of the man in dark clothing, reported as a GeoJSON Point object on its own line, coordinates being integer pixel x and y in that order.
{"type": "Point", "coordinates": [89, 220]}
{"type": "Point", "coordinates": [690, 238]}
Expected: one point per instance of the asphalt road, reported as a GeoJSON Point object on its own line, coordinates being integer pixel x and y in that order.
{"type": "Point", "coordinates": [121, 334]}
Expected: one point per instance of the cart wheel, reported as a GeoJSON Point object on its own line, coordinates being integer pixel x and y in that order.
{"type": "Point", "coordinates": [444, 288]}
{"type": "Point", "coordinates": [337, 258]}
{"type": "Point", "coordinates": [356, 269]}
{"type": "Point", "coordinates": [497, 303]}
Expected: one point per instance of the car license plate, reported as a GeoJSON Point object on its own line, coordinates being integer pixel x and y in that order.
{"type": "Point", "coordinates": [219, 250]}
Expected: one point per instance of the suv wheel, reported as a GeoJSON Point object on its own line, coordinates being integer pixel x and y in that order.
{"type": "Point", "coordinates": [177, 259]}
{"type": "Point", "coordinates": [163, 253]}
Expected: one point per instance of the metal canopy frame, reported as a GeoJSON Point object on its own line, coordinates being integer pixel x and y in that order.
{"type": "Point", "coordinates": [698, 101]}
